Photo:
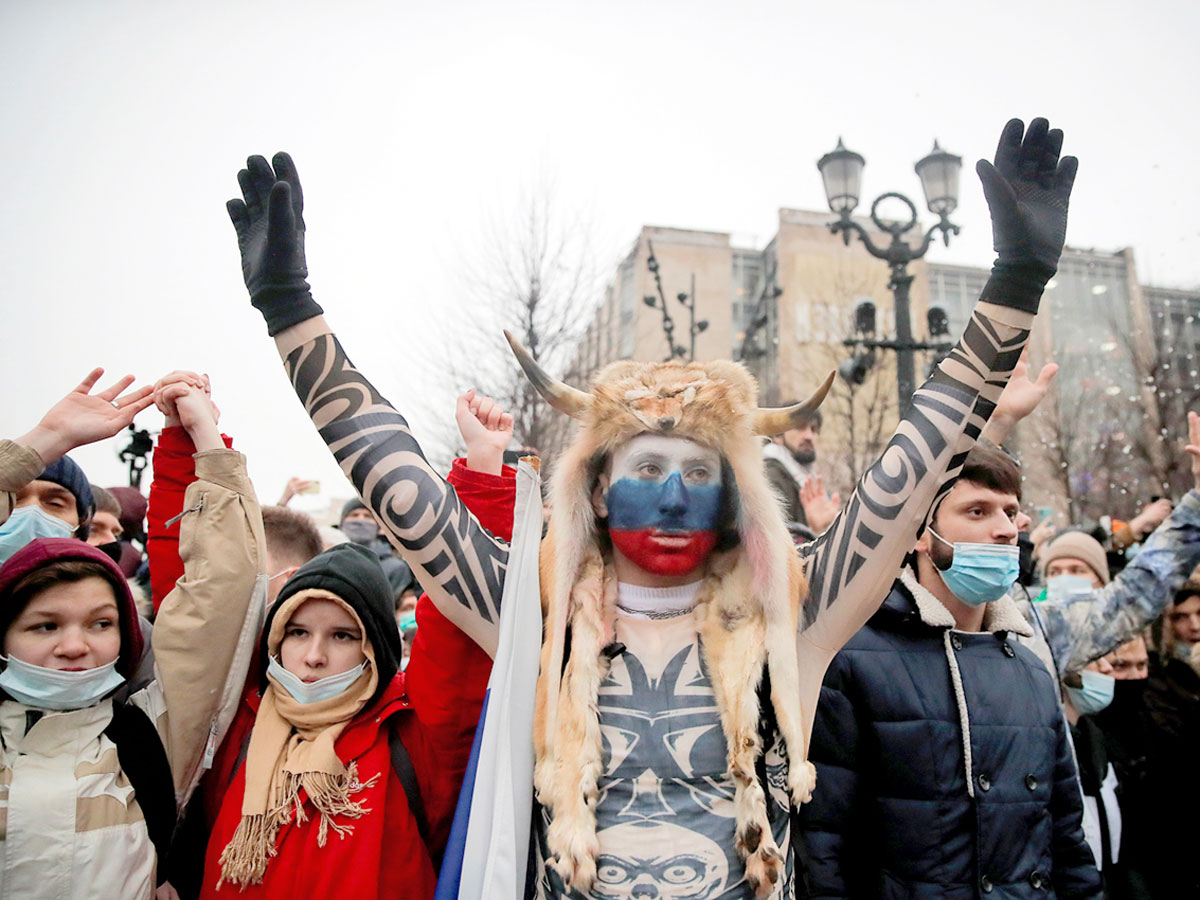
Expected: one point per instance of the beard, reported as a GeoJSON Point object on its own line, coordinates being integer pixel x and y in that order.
{"type": "Point", "coordinates": [940, 555]}
{"type": "Point", "coordinates": [805, 456]}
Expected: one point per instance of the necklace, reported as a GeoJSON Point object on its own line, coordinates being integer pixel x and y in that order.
{"type": "Point", "coordinates": [656, 614]}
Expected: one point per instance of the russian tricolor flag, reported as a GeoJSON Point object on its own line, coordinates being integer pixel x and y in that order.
{"type": "Point", "coordinates": [488, 850]}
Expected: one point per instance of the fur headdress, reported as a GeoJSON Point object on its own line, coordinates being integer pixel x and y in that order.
{"type": "Point", "coordinates": [747, 605]}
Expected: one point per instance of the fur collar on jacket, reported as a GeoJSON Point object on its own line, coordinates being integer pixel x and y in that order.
{"type": "Point", "coordinates": [791, 465]}
{"type": "Point", "coordinates": [1001, 615]}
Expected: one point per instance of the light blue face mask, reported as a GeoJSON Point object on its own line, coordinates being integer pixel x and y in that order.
{"type": "Point", "coordinates": [52, 689]}
{"type": "Point", "coordinates": [1095, 694]}
{"type": "Point", "coordinates": [29, 523]}
{"type": "Point", "coordinates": [1062, 586]}
{"type": "Point", "coordinates": [980, 573]}
{"type": "Point", "coordinates": [324, 689]}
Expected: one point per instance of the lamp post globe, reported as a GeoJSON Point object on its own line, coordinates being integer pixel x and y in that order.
{"type": "Point", "coordinates": [939, 172]}
{"type": "Point", "coordinates": [841, 171]}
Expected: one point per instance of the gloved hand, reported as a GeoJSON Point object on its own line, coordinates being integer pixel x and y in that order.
{"type": "Point", "coordinates": [269, 221]}
{"type": "Point", "coordinates": [1027, 191]}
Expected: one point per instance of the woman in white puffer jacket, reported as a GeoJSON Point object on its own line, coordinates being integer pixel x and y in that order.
{"type": "Point", "coordinates": [86, 716]}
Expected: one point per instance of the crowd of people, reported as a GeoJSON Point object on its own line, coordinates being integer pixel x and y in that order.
{"type": "Point", "coordinates": [748, 688]}
{"type": "Point", "coordinates": [1119, 636]}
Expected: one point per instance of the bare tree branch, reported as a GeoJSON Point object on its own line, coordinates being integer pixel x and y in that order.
{"type": "Point", "coordinates": [537, 277]}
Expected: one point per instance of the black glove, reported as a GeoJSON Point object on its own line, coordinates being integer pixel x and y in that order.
{"type": "Point", "coordinates": [269, 222]}
{"type": "Point", "coordinates": [1027, 192]}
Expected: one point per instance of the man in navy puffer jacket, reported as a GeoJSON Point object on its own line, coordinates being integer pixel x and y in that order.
{"type": "Point", "coordinates": [943, 765]}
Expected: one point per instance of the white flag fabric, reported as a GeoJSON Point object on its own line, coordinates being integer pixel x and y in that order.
{"type": "Point", "coordinates": [496, 851]}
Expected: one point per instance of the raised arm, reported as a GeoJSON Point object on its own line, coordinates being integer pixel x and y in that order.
{"type": "Point", "coordinates": [850, 568]}
{"type": "Point", "coordinates": [459, 564]}
{"type": "Point", "coordinates": [79, 418]}
{"type": "Point", "coordinates": [207, 629]}
{"type": "Point", "coordinates": [174, 470]}
{"type": "Point", "coordinates": [1085, 626]}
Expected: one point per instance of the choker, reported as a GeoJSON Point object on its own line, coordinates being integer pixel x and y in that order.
{"type": "Point", "coordinates": [657, 603]}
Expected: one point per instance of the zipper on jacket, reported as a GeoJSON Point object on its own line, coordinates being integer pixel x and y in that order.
{"type": "Point", "coordinates": [210, 748]}
{"type": "Point", "coordinates": [195, 509]}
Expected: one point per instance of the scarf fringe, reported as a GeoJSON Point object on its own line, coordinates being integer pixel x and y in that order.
{"type": "Point", "coordinates": [244, 859]}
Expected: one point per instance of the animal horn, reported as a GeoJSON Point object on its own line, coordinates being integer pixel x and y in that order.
{"type": "Point", "coordinates": [770, 422]}
{"type": "Point", "coordinates": [575, 403]}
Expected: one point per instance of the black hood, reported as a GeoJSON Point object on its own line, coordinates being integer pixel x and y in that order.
{"type": "Point", "coordinates": [353, 574]}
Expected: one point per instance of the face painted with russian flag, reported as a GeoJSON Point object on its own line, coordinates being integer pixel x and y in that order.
{"type": "Point", "coordinates": [663, 500]}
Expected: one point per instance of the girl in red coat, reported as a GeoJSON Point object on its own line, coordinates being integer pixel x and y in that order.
{"type": "Point", "coordinates": [314, 806]}
{"type": "Point", "coordinates": [305, 797]}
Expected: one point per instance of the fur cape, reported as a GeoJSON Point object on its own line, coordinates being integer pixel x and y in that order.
{"type": "Point", "coordinates": [747, 607]}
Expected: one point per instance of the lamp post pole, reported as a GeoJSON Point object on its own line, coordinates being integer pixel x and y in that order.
{"type": "Point", "coordinates": [939, 171]}
{"type": "Point", "coordinates": [688, 301]}
{"type": "Point", "coordinates": [694, 327]}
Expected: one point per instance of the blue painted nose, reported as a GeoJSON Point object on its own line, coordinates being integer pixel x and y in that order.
{"type": "Point", "coordinates": [673, 501]}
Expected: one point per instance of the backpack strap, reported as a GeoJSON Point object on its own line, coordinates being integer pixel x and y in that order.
{"type": "Point", "coordinates": [402, 765]}
{"type": "Point", "coordinates": [243, 749]}
{"type": "Point", "coordinates": [143, 759]}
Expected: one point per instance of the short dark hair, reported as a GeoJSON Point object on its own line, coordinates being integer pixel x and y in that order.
{"type": "Point", "coordinates": [992, 469]}
{"type": "Point", "coordinates": [1191, 588]}
{"type": "Point", "coordinates": [292, 536]}
{"type": "Point", "coordinates": [988, 468]}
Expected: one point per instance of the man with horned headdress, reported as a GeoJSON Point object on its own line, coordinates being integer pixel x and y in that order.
{"type": "Point", "coordinates": [685, 641]}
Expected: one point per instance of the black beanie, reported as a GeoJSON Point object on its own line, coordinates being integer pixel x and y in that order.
{"type": "Point", "coordinates": [353, 574]}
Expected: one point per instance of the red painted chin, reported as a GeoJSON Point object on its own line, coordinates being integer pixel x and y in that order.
{"type": "Point", "coordinates": [665, 553]}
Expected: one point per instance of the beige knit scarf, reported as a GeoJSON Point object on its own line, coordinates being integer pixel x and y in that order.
{"type": "Point", "coordinates": [291, 748]}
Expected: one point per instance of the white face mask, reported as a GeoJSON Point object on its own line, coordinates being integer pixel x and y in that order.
{"type": "Point", "coordinates": [1062, 586]}
{"type": "Point", "coordinates": [52, 689]}
{"type": "Point", "coordinates": [324, 689]}
{"type": "Point", "coordinates": [29, 523]}
{"type": "Point", "coordinates": [1094, 695]}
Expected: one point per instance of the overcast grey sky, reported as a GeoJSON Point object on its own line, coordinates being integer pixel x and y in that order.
{"type": "Point", "coordinates": [415, 124]}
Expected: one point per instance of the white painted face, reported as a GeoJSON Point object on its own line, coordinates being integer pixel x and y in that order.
{"type": "Point", "coordinates": [655, 457]}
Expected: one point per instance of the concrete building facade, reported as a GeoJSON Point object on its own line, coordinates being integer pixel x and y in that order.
{"type": "Point", "coordinates": [785, 309]}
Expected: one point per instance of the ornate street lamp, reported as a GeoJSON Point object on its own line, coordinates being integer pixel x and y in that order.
{"type": "Point", "coordinates": [841, 171]}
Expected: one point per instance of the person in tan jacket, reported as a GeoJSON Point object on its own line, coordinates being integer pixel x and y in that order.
{"type": "Point", "coordinates": [77, 682]}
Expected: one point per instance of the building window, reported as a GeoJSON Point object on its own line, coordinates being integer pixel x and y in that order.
{"type": "Point", "coordinates": [746, 287]}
